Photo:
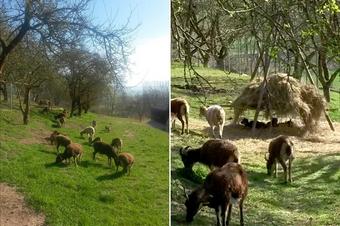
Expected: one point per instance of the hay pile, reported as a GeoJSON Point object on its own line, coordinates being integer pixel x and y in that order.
{"type": "Point", "coordinates": [284, 96]}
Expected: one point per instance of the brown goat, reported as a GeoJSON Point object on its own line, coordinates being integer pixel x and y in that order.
{"type": "Point", "coordinates": [213, 153]}
{"type": "Point", "coordinates": [222, 188]}
{"type": "Point", "coordinates": [117, 143]}
{"type": "Point", "coordinates": [61, 140]}
{"type": "Point", "coordinates": [105, 149]}
{"type": "Point", "coordinates": [180, 108]}
{"type": "Point", "coordinates": [281, 149]}
{"type": "Point", "coordinates": [53, 136]}
{"type": "Point", "coordinates": [73, 150]}
{"type": "Point", "coordinates": [125, 160]}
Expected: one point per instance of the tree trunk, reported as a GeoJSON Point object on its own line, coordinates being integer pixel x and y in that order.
{"type": "Point", "coordinates": [3, 88]}
{"type": "Point", "coordinates": [205, 60]}
{"type": "Point", "coordinates": [298, 67]}
{"type": "Point", "coordinates": [73, 106]}
{"type": "Point", "coordinates": [26, 110]}
{"type": "Point", "coordinates": [79, 106]}
{"type": "Point", "coordinates": [220, 63]}
{"type": "Point", "coordinates": [326, 92]}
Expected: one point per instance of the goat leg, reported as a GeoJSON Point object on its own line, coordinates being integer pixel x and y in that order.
{"type": "Point", "coordinates": [290, 170]}
{"type": "Point", "coordinates": [223, 211]}
{"type": "Point", "coordinates": [182, 122]}
{"type": "Point", "coordinates": [217, 211]}
{"type": "Point", "coordinates": [213, 130]}
{"type": "Point", "coordinates": [276, 168]}
{"type": "Point", "coordinates": [187, 122]}
{"type": "Point", "coordinates": [229, 213]}
{"type": "Point", "coordinates": [241, 213]}
{"type": "Point", "coordinates": [284, 166]}
{"type": "Point", "coordinates": [220, 131]}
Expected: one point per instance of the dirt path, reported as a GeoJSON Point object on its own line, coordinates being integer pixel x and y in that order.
{"type": "Point", "coordinates": [14, 211]}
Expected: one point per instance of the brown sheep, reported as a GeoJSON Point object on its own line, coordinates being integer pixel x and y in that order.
{"type": "Point", "coordinates": [180, 108]}
{"type": "Point", "coordinates": [281, 150]}
{"type": "Point", "coordinates": [117, 143]}
{"type": "Point", "coordinates": [61, 140]}
{"type": "Point", "coordinates": [53, 136]}
{"type": "Point", "coordinates": [73, 150]}
{"type": "Point", "coordinates": [125, 160]}
{"type": "Point", "coordinates": [222, 188]}
{"type": "Point", "coordinates": [213, 153]}
{"type": "Point", "coordinates": [105, 149]}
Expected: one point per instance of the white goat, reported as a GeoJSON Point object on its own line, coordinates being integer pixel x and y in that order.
{"type": "Point", "coordinates": [215, 116]}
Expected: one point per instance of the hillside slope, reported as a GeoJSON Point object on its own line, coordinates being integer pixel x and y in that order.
{"type": "Point", "coordinates": [92, 194]}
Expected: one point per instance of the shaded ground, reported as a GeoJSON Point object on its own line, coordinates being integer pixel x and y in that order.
{"type": "Point", "coordinates": [312, 199]}
{"type": "Point", "coordinates": [14, 211]}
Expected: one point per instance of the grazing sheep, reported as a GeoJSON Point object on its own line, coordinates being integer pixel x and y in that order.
{"type": "Point", "coordinates": [222, 188]}
{"type": "Point", "coordinates": [281, 150]}
{"type": "Point", "coordinates": [215, 116]}
{"type": "Point", "coordinates": [108, 129]}
{"type": "Point", "coordinates": [249, 124]}
{"type": "Point", "coordinates": [94, 123]}
{"type": "Point", "coordinates": [125, 160]}
{"type": "Point", "coordinates": [97, 139]}
{"type": "Point", "coordinates": [117, 143]}
{"type": "Point", "coordinates": [213, 153]}
{"type": "Point", "coordinates": [53, 136]}
{"type": "Point", "coordinates": [90, 131]}
{"type": "Point", "coordinates": [180, 108]}
{"type": "Point", "coordinates": [45, 103]}
{"type": "Point", "coordinates": [73, 150]}
{"type": "Point", "coordinates": [105, 149]}
{"type": "Point", "coordinates": [60, 115]}
{"type": "Point", "coordinates": [60, 122]}
{"type": "Point", "coordinates": [61, 140]}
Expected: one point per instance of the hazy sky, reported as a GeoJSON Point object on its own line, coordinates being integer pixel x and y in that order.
{"type": "Point", "coordinates": [151, 41]}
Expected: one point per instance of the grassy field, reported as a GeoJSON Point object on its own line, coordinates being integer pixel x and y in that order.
{"type": "Point", "coordinates": [91, 194]}
{"type": "Point", "coordinates": [312, 199]}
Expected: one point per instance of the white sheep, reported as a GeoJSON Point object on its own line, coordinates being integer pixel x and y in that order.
{"type": "Point", "coordinates": [215, 116]}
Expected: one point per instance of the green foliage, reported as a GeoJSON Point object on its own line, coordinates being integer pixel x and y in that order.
{"type": "Point", "coordinates": [91, 194]}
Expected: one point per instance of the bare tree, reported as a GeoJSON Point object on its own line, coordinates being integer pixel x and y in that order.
{"type": "Point", "coordinates": [28, 69]}
{"type": "Point", "coordinates": [59, 24]}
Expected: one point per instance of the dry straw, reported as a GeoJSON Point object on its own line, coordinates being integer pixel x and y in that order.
{"type": "Point", "coordinates": [284, 96]}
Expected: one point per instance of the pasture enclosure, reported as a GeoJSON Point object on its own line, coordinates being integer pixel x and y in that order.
{"type": "Point", "coordinates": [92, 193]}
{"type": "Point", "coordinates": [312, 198]}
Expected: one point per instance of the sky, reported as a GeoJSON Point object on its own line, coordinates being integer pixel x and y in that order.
{"type": "Point", "coordinates": [150, 60]}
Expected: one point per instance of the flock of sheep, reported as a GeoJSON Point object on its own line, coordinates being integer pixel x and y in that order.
{"type": "Point", "coordinates": [75, 150]}
{"type": "Point", "coordinates": [226, 184]}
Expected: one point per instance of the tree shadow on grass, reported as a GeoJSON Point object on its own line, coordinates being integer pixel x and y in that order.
{"type": "Point", "coordinates": [324, 166]}
{"type": "Point", "coordinates": [47, 152]}
{"type": "Point", "coordinates": [111, 176]}
{"type": "Point", "coordinates": [89, 163]}
{"type": "Point", "coordinates": [54, 164]}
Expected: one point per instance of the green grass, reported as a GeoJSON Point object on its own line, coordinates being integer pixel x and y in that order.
{"type": "Point", "coordinates": [312, 199]}
{"type": "Point", "coordinates": [91, 194]}
{"type": "Point", "coordinates": [314, 193]}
